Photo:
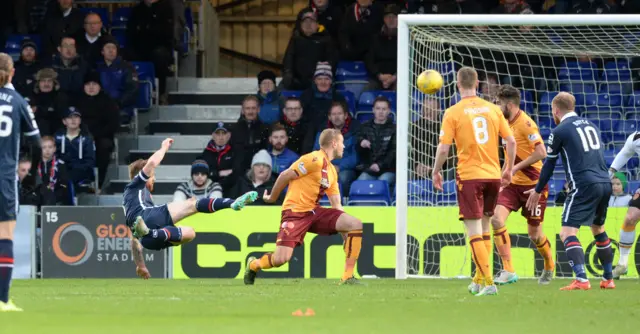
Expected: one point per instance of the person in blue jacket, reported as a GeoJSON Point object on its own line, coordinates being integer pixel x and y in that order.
{"type": "Point", "coordinates": [76, 149]}
{"type": "Point", "coordinates": [270, 100]}
{"type": "Point", "coordinates": [281, 156]}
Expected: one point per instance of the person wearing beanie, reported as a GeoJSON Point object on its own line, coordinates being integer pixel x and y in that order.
{"type": "Point", "coordinates": [26, 68]}
{"type": "Point", "coordinates": [101, 116]}
{"type": "Point", "coordinates": [259, 178]}
{"type": "Point", "coordinates": [199, 186]}
{"type": "Point", "coordinates": [219, 156]}
{"type": "Point", "coordinates": [77, 149]}
{"type": "Point", "coordinates": [48, 102]}
{"type": "Point", "coordinates": [117, 76]}
{"type": "Point", "coordinates": [317, 100]}
{"type": "Point", "coordinates": [382, 58]}
{"type": "Point", "coordinates": [619, 196]}
{"type": "Point", "coordinates": [270, 99]}
{"type": "Point", "coordinates": [90, 40]}
{"type": "Point", "coordinates": [361, 22]}
{"type": "Point", "coordinates": [308, 45]}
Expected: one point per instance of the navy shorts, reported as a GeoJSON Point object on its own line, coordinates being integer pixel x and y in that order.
{"type": "Point", "coordinates": [158, 218]}
{"type": "Point", "coordinates": [8, 199]}
{"type": "Point", "coordinates": [587, 205]}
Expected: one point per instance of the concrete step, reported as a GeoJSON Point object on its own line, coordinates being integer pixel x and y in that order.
{"type": "Point", "coordinates": [160, 187]}
{"type": "Point", "coordinates": [182, 142]}
{"type": "Point", "coordinates": [162, 172]}
{"type": "Point", "coordinates": [207, 98]}
{"type": "Point", "coordinates": [183, 127]}
{"type": "Point", "coordinates": [229, 113]}
{"type": "Point", "coordinates": [184, 157]}
{"type": "Point", "coordinates": [217, 85]}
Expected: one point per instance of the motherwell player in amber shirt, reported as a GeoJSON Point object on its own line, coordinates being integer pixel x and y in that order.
{"type": "Point", "coordinates": [475, 126]}
{"type": "Point", "coordinates": [529, 154]}
{"type": "Point", "coordinates": [309, 179]}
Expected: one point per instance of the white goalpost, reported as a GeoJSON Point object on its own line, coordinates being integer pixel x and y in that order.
{"type": "Point", "coordinates": [595, 57]}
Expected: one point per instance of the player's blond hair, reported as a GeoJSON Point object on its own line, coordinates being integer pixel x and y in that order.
{"type": "Point", "coordinates": [509, 93]}
{"type": "Point", "coordinates": [6, 69]}
{"type": "Point", "coordinates": [467, 77]}
{"type": "Point", "coordinates": [135, 167]}
{"type": "Point", "coordinates": [564, 101]}
{"type": "Point", "coordinates": [327, 136]}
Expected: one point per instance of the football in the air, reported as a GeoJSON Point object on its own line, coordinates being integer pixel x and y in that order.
{"type": "Point", "coordinates": [429, 81]}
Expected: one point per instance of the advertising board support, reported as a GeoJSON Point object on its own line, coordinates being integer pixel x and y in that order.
{"type": "Point", "coordinates": [24, 243]}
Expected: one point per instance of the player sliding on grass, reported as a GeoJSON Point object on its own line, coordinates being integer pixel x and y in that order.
{"type": "Point", "coordinates": [578, 142]}
{"type": "Point", "coordinates": [154, 226]}
{"type": "Point", "coordinates": [475, 125]}
{"type": "Point", "coordinates": [309, 178]}
{"type": "Point", "coordinates": [530, 151]}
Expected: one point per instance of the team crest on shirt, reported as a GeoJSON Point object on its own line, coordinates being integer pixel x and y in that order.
{"type": "Point", "coordinates": [441, 133]}
{"type": "Point", "coordinates": [324, 183]}
{"type": "Point", "coordinates": [533, 136]}
{"type": "Point", "coordinates": [301, 168]}
{"type": "Point", "coordinates": [314, 159]}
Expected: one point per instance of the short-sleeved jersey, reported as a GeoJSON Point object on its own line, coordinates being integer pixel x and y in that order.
{"type": "Point", "coordinates": [525, 131]}
{"type": "Point", "coordinates": [316, 176]}
{"type": "Point", "coordinates": [475, 126]}
{"type": "Point", "coordinates": [136, 198]}
{"type": "Point", "coordinates": [578, 142]}
{"type": "Point", "coordinates": [16, 118]}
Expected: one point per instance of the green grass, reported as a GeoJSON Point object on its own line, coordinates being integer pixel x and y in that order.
{"type": "Point", "coordinates": [382, 306]}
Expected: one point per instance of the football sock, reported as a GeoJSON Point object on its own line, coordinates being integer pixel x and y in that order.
{"type": "Point", "coordinates": [352, 246]}
{"type": "Point", "coordinates": [262, 263]}
{"type": "Point", "coordinates": [480, 258]}
{"type": "Point", "coordinates": [574, 251]}
{"type": "Point", "coordinates": [503, 243]}
{"type": "Point", "coordinates": [544, 248]}
{"type": "Point", "coordinates": [627, 238]}
{"type": "Point", "coordinates": [6, 268]}
{"type": "Point", "coordinates": [605, 254]}
{"type": "Point", "coordinates": [209, 205]}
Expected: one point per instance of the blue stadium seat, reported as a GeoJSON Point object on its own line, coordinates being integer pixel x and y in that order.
{"type": "Point", "coordinates": [633, 185]}
{"type": "Point", "coordinates": [455, 98]}
{"type": "Point", "coordinates": [351, 71]}
{"type": "Point", "coordinates": [609, 155]}
{"type": "Point", "coordinates": [634, 100]}
{"type": "Point", "coordinates": [449, 193]}
{"type": "Point", "coordinates": [12, 45]}
{"type": "Point", "coordinates": [526, 101]}
{"type": "Point", "coordinates": [609, 100]}
{"type": "Point", "coordinates": [291, 93]}
{"type": "Point", "coordinates": [545, 102]}
{"type": "Point", "coordinates": [363, 116]}
{"type": "Point", "coordinates": [188, 31]}
{"type": "Point", "coordinates": [121, 36]}
{"type": "Point", "coordinates": [583, 71]}
{"type": "Point", "coordinates": [617, 71]}
{"type": "Point", "coordinates": [556, 185]}
{"type": "Point", "coordinates": [603, 113]}
{"type": "Point", "coordinates": [351, 100]}
{"type": "Point", "coordinates": [356, 87]}
{"type": "Point", "coordinates": [373, 193]}
{"type": "Point", "coordinates": [616, 88]}
{"type": "Point", "coordinates": [102, 11]}
{"type": "Point", "coordinates": [446, 69]}
{"type": "Point", "coordinates": [420, 192]}
{"type": "Point", "coordinates": [146, 84]}
{"type": "Point", "coordinates": [121, 17]}
{"type": "Point", "coordinates": [578, 89]}
{"type": "Point", "coordinates": [545, 121]}
{"type": "Point", "coordinates": [365, 102]}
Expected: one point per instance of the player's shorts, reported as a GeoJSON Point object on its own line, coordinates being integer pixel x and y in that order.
{"type": "Point", "coordinates": [477, 197]}
{"type": "Point", "coordinates": [150, 241]}
{"type": "Point", "coordinates": [587, 205]}
{"type": "Point", "coordinates": [159, 218]}
{"type": "Point", "coordinates": [294, 225]}
{"type": "Point", "coordinates": [8, 199]}
{"type": "Point", "coordinates": [513, 198]}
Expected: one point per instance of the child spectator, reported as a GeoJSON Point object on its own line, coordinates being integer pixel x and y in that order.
{"type": "Point", "coordinates": [317, 100]}
{"type": "Point", "coordinates": [70, 67]}
{"type": "Point", "coordinates": [52, 179]}
{"type": "Point", "coordinates": [117, 77]}
{"type": "Point", "coordinates": [48, 102]}
{"type": "Point", "coordinates": [381, 60]}
{"type": "Point", "coordinates": [377, 144]}
{"type": "Point", "coordinates": [259, 178]}
{"type": "Point", "coordinates": [281, 156]}
{"type": "Point", "coordinates": [361, 22]}
{"type": "Point", "coordinates": [619, 196]}
{"type": "Point", "coordinates": [26, 68]}
{"type": "Point", "coordinates": [293, 125]}
{"type": "Point", "coordinates": [250, 134]}
{"type": "Point", "coordinates": [269, 97]}
{"type": "Point", "coordinates": [76, 149]}
{"type": "Point", "coordinates": [199, 186]}
{"type": "Point", "coordinates": [220, 158]}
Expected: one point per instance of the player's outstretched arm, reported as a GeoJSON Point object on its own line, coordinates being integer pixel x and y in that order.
{"type": "Point", "coordinates": [539, 153]}
{"type": "Point", "coordinates": [138, 259]}
{"type": "Point", "coordinates": [442, 153]}
{"type": "Point", "coordinates": [625, 154]}
{"type": "Point", "coordinates": [281, 182]}
{"type": "Point", "coordinates": [511, 153]}
{"type": "Point", "coordinates": [155, 159]}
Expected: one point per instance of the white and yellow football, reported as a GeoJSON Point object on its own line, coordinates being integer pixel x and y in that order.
{"type": "Point", "coordinates": [429, 81]}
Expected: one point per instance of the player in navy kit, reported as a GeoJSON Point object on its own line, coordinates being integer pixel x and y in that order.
{"type": "Point", "coordinates": [578, 142]}
{"type": "Point", "coordinates": [154, 226]}
{"type": "Point", "coordinates": [16, 119]}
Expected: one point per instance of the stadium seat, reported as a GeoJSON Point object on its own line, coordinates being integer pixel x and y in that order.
{"type": "Point", "coordinates": [617, 71]}
{"type": "Point", "coordinates": [446, 69]}
{"type": "Point", "coordinates": [351, 71]}
{"type": "Point", "coordinates": [146, 84]}
{"type": "Point", "coordinates": [609, 155]}
{"type": "Point", "coordinates": [351, 100]}
{"type": "Point", "coordinates": [545, 121]}
{"type": "Point", "coordinates": [545, 102]}
{"type": "Point", "coordinates": [455, 98]}
{"type": "Point", "coordinates": [556, 185]}
{"type": "Point", "coordinates": [633, 185]}
{"type": "Point", "coordinates": [102, 11]}
{"type": "Point", "coordinates": [121, 36]}
{"type": "Point", "coordinates": [610, 100]}
{"type": "Point", "coordinates": [365, 102]}
{"type": "Point", "coordinates": [291, 93]}
{"type": "Point", "coordinates": [579, 89]}
{"type": "Point", "coordinates": [526, 101]}
{"type": "Point", "coordinates": [420, 192]}
{"type": "Point", "coordinates": [121, 17]}
{"type": "Point", "coordinates": [372, 193]}
{"type": "Point", "coordinates": [582, 71]}
{"type": "Point", "coordinates": [449, 193]}
{"type": "Point", "coordinates": [356, 87]}
{"type": "Point", "coordinates": [12, 45]}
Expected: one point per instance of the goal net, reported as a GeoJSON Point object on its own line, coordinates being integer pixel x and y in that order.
{"type": "Point", "coordinates": [591, 56]}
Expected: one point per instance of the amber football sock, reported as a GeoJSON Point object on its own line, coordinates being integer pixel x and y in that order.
{"type": "Point", "coordinates": [480, 258]}
{"type": "Point", "coordinates": [262, 263]}
{"type": "Point", "coordinates": [503, 243]}
{"type": "Point", "coordinates": [544, 248]}
{"type": "Point", "coordinates": [352, 246]}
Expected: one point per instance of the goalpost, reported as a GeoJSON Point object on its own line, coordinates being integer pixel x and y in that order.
{"type": "Point", "coordinates": [591, 56]}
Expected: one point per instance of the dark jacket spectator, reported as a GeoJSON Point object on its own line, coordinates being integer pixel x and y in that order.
{"type": "Point", "coordinates": [317, 100]}
{"type": "Point", "coordinates": [26, 68]}
{"type": "Point", "coordinates": [458, 7]}
{"type": "Point", "coordinates": [76, 149]}
{"type": "Point", "coordinates": [382, 58]}
{"type": "Point", "coordinates": [220, 157]}
{"type": "Point", "coordinates": [90, 40]}
{"type": "Point", "coordinates": [281, 156]}
{"type": "Point", "coordinates": [28, 193]}
{"type": "Point", "coordinates": [377, 141]}
{"type": "Point", "coordinates": [592, 7]}
{"type": "Point", "coordinates": [308, 46]}
{"type": "Point", "coordinates": [48, 102]}
{"type": "Point", "coordinates": [297, 130]}
{"type": "Point", "coordinates": [259, 178]}
{"type": "Point", "coordinates": [513, 7]}
{"type": "Point", "coordinates": [361, 22]}
{"type": "Point", "coordinates": [118, 77]}
{"type": "Point", "coordinates": [70, 67]}
{"type": "Point", "coordinates": [62, 19]}
{"type": "Point", "coordinates": [329, 16]}
{"type": "Point", "coordinates": [249, 134]}
{"type": "Point", "coordinates": [629, 7]}
{"type": "Point", "coordinates": [270, 99]}
{"type": "Point", "coordinates": [52, 179]}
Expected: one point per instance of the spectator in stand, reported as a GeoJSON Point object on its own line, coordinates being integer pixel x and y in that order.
{"type": "Point", "coordinates": [425, 134]}
{"type": "Point", "coordinates": [71, 68]}
{"type": "Point", "coordinates": [329, 16]}
{"type": "Point", "coordinates": [250, 134]}
{"type": "Point", "coordinates": [630, 6]}
{"type": "Point", "coordinates": [61, 20]}
{"type": "Point", "coordinates": [382, 57]}
{"type": "Point", "coordinates": [27, 186]}
{"type": "Point", "coordinates": [76, 150]}
{"type": "Point", "coordinates": [52, 179]}
{"type": "Point", "coordinates": [199, 186]}
{"type": "Point", "coordinates": [117, 76]}
{"type": "Point", "coordinates": [48, 102]}
{"type": "Point", "coordinates": [340, 119]}
{"type": "Point", "coordinates": [513, 7]}
{"type": "Point", "coordinates": [26, 68]}
{"type": "Point", "coordinates": [219, 156]}
{"type": "Point", "coordinates": [90, 40]}
{"type": "Point", "coordinates": [308, 45]}
{"type": "Point", "coordinates": [100, 114]}
{"type": "Point", "coordinates": [460, 7]}
{"type": "Point", "coordinates": [361, 22]}
{"type": "Point", "coordinates": [377, 144]}
{"type": "Point", "coordinates": [281, 156]}
{"type": "Point", "coordinates": [592, 7]}
{"type": "Point", "coordinates": [259, 178]}
{"type": "Point", "coordinates": [270, 99]}
{"type": "Point", "coordinates": [619, 197]}
{"type": "Point", "coordinates": [489, 88]}
{"type": "Point", "coordinates": [317, 100]}
{"type": "Point", "coordinates": [150, 37]}
{"type": "Point", "coordinates": [297, 131]}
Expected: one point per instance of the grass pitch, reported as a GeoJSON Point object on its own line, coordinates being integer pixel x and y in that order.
{"type": "Point", "coordinates": [382, 306]}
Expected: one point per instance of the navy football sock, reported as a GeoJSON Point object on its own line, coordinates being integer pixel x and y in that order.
{"type": "Point", "coordinates": [575, 253]}
{"type": "Point", "coordinates": [605, 254]}
{"type": "Point", "coordinates": [209, 205]}
{"type": "Point", "coordinates": [6, 268]}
